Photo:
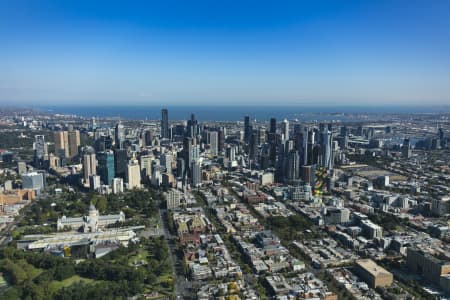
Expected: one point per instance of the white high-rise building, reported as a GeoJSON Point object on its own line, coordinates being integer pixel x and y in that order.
{"type": "Point", "coordinates": [196, 170]}
{"type": "Point", "coordinates": [94, 182]}
{"type": "Point", "coordinates": [285, 129]}
{"type": "Point", "coordinates": [133, 174]}
{"type": "Point", "coordinates": [117, 185]}
{"type": "Point", "coordinates": [327, 148]}
{"type": "Point", "coordinates": [146, 165]}
{"type": "Point", "coordinates": [165, 161]}
{"type": "Point", "coordinates": [173, 198]}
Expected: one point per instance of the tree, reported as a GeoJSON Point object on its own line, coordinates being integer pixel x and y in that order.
{"type": "Point", "coordinates": [32, 291]}
{"type": "Point", "coordinates": [62, 272]}
{"type": "Point", "coordinates": [100, 202]}
{"type": "Point", "coordinates": [15, 273]}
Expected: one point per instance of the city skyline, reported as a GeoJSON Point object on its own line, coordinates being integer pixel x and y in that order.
{"type": "Point", "coordinates": [293, 53]}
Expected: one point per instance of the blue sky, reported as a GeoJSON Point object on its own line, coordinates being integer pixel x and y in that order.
{"type": "Point", "coordinates": [225, 52]}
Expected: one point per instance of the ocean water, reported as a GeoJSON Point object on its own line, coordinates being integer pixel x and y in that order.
{"type": "Point", "coordinates": [237, 113]}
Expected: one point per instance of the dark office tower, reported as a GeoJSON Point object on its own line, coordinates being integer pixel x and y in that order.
{"type": "Point", "coordinates": [273, 125]}
{"type": "Point", "coordinates": [99, 144]}
{"type": "Point", "coordinates": [192, 127]}
{"type": "Point", "coordinates": [441, 137]}
{"type": "Point", "coordinates": [148, 137]}
{"type": "Point", "coordinates": [308, 174]}
{"type": "Point", "coordinates": [441, 133]}
{"type": "Point", "coordinates": [370, 133]}
{"type": "Point", "coordinates": [406, 149]}
{"type": "Point", "coordinates": [343, 131]}
{"type": "Point", "coordinates": [179, 130]}
{"type": "Point", "coordinates": [273, 141]}
{"type": "Point", "coordinates": [103, 143]}
{"type": "Point", "coordinates": [119, 135]}
{"type": "Point", "coordinates": [388, 129]}
{"type": "Point", "coordinates": [221, 139]}
{"type": "Point", "coordinates": [321, 127]}
{"type": "Point", "coordinates": [293, 166]}
{"type": "Point", "coordinates": [265, 156]}
{"type": "Point", "coordinates": [253, 147]}
{"type": "Point", "coordinates": [165, 124]}
{"type": "Point", "coordinates": [297, 128]}
{"type": "Point", "coordinates": [247, 129]}
{"type": "Point", "coordinates": [105, 168]}
{"type": "Point", "coordinates": [359, 131]}
{"type": "Point", "coordinates": [316, 156]}
{"type": "Point", "coordinates": [187, 151]}
{"type": "Point", "coordinates": [181, 169]}
{"type": "Point", "coordinates": [120, 162]}
{"type": "Point", "coordinates": [304, 146]}
{"type": "Point", "coordinates": [108, 142]}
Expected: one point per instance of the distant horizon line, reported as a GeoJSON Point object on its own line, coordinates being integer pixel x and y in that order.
{"type": "Point", "coordinates": [256, 105]}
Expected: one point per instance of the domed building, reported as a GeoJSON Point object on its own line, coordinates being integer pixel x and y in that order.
{"type": "Point", "coordinates": [90, 223]}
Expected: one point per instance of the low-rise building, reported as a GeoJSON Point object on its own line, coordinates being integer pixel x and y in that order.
{"type": "Point", "coordinates": [373, 274]}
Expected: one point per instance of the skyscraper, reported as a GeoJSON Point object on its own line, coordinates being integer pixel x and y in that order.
{"type": "Point", "coordinates": [273, 125]}
{"type": "Point", "coordinates": [165, 160]}
{"type": "Point", "coordinates": [119, 135]}
{"type": "Point", "coordinates": [133, 174]}
{"type": "Point", "coordinates": [146, 165]}
{"type": "Point", "coordinates": [303, 145]}
{"type": "Point", "coordinates": [61, 143]}
{"type": "Point", "coordinates": [253, 145]}
{"type": "Point", "coordinates": [261, 135]}
{"type": "Point", "coordinates": [89, 163]}
{"type": "Point", "coordinates": [181, 169]}
{"type": "Point", "coordinates": [247, 129]}
{"type": "Point", "coordinates": [293, 166]}
{"type": "Point", "coordinates": [148, 137]}
{"type": "Point", "coordinates": [285, 129]}
{"type": "Point", "coordinates": [74, 142]}
{"type": "Point", "coordinates": [406, 148]}
{"type": "Point", "coordinates": [40, 150]}
{"type": "Point", "coordinates": [196, 173]}
{"type": "Point", "coordinates": [221, 139]}
{"type": "Point", "coordinates": [213, 143]}
{"type": "Point", "coordinates": [192, 127]}
{"type": "Point", "coordinates": [120, 162]}
{"type": "Point", "coordinates": [106, 166]}
{"type": "Point", "coordinates": [165, 124]}
{"type": "Point", "coordinates": [327, 149]}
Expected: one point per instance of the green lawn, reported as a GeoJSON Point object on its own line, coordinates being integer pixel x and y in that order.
{"type": "Point", "coordinates": [55, 285]}
{"type": "Point", "coordinates": [141, 255]}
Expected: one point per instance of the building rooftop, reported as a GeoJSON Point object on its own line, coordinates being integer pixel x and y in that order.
{"type": "Point", "coordinates": [371, 267]}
